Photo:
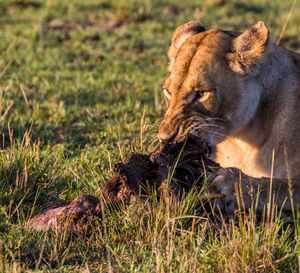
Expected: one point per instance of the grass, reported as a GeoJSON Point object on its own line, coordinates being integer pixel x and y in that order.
{"type": "Point", "coordinates": [80, 88]}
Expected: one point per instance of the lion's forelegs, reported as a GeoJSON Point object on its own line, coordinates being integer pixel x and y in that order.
{"type": "Point", "coordinates": [243, 192]}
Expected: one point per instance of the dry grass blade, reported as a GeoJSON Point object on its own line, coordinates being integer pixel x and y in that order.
{"type": "Point", "coordinates": [5, 69]}
{"type": "Point", "coordinates": [42, 251]}
{"type": "Point", "coordinates": [110, 269]}
{"type": "Point", "coordinates": [142, 128]}
{"type": "Point", "coordinates": [24, 95]}
{"type": "Point", "coordinates": [210, 196]}
{"type": "Point", "coordinates": [11, 103]}
{"type": "Point", "coordinates": [288, 17]}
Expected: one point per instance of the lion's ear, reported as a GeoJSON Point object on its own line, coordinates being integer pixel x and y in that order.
{"type": "Point", "coordinates": [181, 34]}
{"type": "Point", "coordinates": [248, 49]}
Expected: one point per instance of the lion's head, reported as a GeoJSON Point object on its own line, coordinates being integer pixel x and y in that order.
{"type": "Point", "coordinates": [212, 89]}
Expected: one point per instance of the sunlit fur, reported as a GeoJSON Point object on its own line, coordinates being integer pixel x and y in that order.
{"type": "Point", "coordinates": [254, 106]}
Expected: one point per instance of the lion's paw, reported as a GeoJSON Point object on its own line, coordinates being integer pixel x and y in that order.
{"type": "Point", "coordinates": [225, 183]}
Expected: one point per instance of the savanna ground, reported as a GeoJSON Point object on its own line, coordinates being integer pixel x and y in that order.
{"type": "Point", "coordinates": [80, 88]}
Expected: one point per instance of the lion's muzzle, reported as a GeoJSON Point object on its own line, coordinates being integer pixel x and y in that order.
{"type": "Point", "coordinates": [167, 132]}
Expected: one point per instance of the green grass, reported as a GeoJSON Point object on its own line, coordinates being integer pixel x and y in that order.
{"type": "Point", "coordinates": [75, 78]}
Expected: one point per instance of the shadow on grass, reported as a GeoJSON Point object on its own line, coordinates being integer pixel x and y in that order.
{"type": "Point", "coordinates": [243, 7]}
{"type": "Point", "coordinates": [74, 136]}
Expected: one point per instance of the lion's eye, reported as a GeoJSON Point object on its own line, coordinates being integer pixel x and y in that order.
{"type": "Point", "coordinates": [203, 94]}
{"type": "Point", "coordinates": [167, 94]}
{"type": "Point", "coordinates": [198, 95]}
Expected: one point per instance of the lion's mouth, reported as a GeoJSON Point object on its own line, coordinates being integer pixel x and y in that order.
{"type": "Point", "coordinates": [174, 137]}
{"type": "Point", "coordinates": [182, 139]}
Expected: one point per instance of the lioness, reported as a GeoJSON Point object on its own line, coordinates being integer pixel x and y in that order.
{"type": "Point", "coordinates": [240, 92]}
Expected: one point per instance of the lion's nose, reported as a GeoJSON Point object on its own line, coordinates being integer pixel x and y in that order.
{"type": "Point", "coordinates": [167, 134]}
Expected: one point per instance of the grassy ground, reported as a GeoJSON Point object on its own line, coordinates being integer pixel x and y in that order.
{"type": "Point", "coordinates": [75, 79]}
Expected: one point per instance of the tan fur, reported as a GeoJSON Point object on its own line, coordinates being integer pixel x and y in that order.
{"type": "Point", "coordinates": [250, 111]}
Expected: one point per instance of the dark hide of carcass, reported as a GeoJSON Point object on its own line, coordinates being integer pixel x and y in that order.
{"type": "Point", "coordinates": [174, 167]}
